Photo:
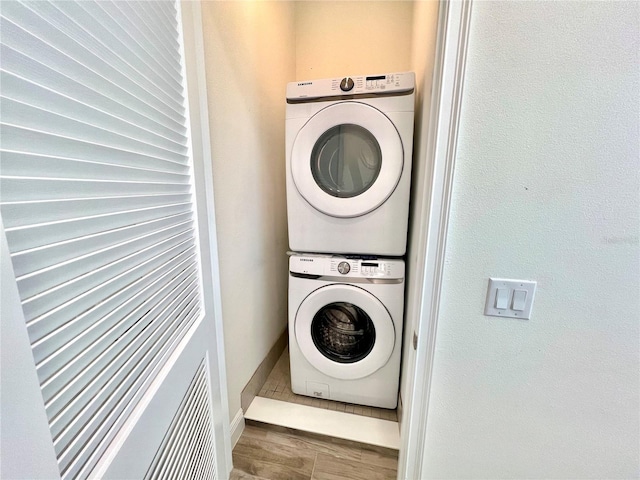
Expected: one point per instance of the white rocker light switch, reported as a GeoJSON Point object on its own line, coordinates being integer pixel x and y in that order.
{"type": "Point", "coordinates": [519, 300]}
{"type": "Point", "coordinates": [502, 298]}
{"type": "Point", "coordinates": [510, 298]}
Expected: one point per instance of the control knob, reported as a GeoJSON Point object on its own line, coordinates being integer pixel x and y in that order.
{"type": "Point", "coordinates": [344, 267]}
{"type": "Point", "coordinates": [346, 84]}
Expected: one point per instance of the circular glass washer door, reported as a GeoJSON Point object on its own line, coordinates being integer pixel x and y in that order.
{"type": "Point", "coordinates": [347, 159]}
{"type": "Point", "coordinates": [344, 331]}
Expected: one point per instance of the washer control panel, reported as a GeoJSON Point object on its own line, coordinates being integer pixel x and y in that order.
{"type": "Point", "coordinates": [375, 268]}
{"type": "Point", "coordinates": [338, 266]}
{"type": "Point", "coordinates": [389, 83]}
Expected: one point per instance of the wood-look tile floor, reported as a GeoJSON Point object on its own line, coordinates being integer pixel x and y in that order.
{"type": "Point", "coordinates": [267, 452]}
{"type": "Point", "coordinates": [278, 387]}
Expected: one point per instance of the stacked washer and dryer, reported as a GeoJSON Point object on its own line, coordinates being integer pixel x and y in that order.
{"type": "Point", "coordinates": [348, 166]}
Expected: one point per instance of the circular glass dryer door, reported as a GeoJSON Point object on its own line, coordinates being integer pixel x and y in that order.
{"type": "Point", "coordinates": [347, 159]}
{"type": "Point", "coordinates": [344, 331]}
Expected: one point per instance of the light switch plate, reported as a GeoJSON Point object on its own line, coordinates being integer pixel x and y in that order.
{"type": "Point", "coordinates": [494, 300]}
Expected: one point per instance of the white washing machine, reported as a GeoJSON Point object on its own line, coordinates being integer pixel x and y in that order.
{"type": "Point", "coordinates": [345, 328]}
{"type": "Point", "coordinates": [348, 160]}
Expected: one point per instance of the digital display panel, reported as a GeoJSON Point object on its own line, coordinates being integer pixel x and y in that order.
{"type": "Point", "coordinates": [379, 77]}
{"type": "Point", "coordinates": [369, 264]}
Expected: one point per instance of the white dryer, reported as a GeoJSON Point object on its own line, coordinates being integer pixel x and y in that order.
{"type": "Point", "coordinates": [345, 328]}
{"type": "Point", "coordinates": [348, 161]}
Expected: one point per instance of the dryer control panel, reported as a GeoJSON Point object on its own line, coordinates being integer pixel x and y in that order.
{"type": "Point", "coordinates": [385, 84]}
{"type": "Point", "coordinates": [339, 266]}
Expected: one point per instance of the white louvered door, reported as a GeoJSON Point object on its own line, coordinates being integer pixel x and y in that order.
{"type": "Point", "coordinates": [108, 249]}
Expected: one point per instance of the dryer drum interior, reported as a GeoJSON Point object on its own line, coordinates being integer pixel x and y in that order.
{"type": "Point", "coordinates": [346, 160]}
{"type": "Point", "coordinates": [343, 332]}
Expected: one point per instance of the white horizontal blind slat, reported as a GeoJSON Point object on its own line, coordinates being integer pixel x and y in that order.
{"type": "Point", "coordinates": [25, 213]}
{"type": "Point", "coordinates": [69, 321]}
{"type": "Point", "coordinates": [65, 302]}
{"type": "Point", "coordinates": [67, 82]}
{"type": "Point", "coordinates": [166, 11]}
{"type": "Point", "coordinates": [148, 36]}
{"type": "Point", "coordinates": [22, 115]}
{"type": "Point", "coordinates": [66, 34]}
{"type": "Point", "coordinates": [153, 11]}
{"type": "Point", "coordinates": [47, 166]}
{"type": "Point", "coordinates": [38, 282]}
{"type": "Point", "coordinates": [112, 48]}
{"type": "Point", "coordinates": [58, 31]}
{"type": "Point", "coordinates": [23, 41]}
{"type": "Point", "coordinates": [95, 332]}
{"type": "Point", "coordinates": [127, 30]}
{"type": "Point", "coordinates": [96, 199]}
{"type": "Point", "coordinates": [28, 92]}
{"type": "Point", "coordinates": [42, 245]}
{"type": "Point", "coordinates": [128, 46]}
{"type": "Point", "coordinates": [15, 138]}
{"type": "Point", "coordinates": [56, 274]}
{"type": "Point", "coordinates": [15, 188]}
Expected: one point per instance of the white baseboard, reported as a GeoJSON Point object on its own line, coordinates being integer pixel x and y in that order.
{"type": "Point", "coordinates": [237, 427]}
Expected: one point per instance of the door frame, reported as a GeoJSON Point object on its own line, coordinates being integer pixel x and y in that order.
{"type": "Point", "coordinates": [194, 58]}
{"type": "Point", "coordinates": [440, 133]}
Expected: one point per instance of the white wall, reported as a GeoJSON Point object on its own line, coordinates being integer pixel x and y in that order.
{"type": "Point", "coordinates": [336, 38]}
{"type": "Point", "coordinates": [546, 188]}
{"type": "Point", "coordinates": [249, 60]}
